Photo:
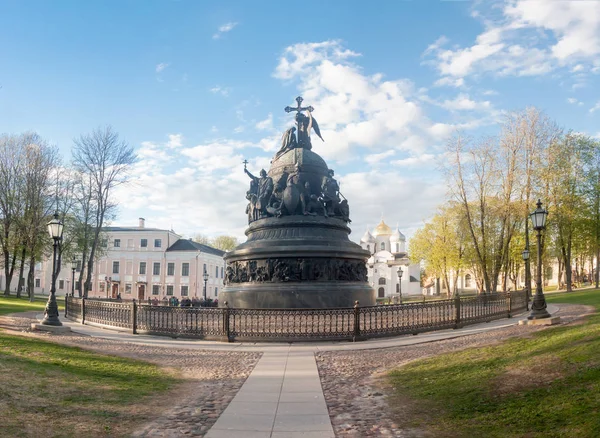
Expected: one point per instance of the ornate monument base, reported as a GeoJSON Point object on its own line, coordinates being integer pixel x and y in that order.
{"type": "Point", "coordinates": [298, 254]}
{"type": "Point", "coordinates": [297, 262]}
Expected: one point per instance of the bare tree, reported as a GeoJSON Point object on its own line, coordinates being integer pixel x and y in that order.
{"type": "Point", "coordinates": [105, 159]}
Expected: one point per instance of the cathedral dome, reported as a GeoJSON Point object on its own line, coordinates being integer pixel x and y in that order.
{"type": "Point", "coordinates": [367, 238]}
{"type": "Point", "coordinates": [382, 229]}
{"type": "Point", "coordinates": [397, 236]}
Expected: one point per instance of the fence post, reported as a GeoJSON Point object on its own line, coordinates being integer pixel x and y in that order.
{"type": "Point", "coordinates": [457, 309]}
{"type": "Point", "coordinates": [509, 304]}
{"type": "Point", "coordinates": [226, 322]}
{"type": "Point", "coordinates": [83, 311]}
{"type": "Point", "coordinates": [66, 305]}
{"type": "Point", "coordinates": [133, 317]}
{"type": "Point", "coordinates": [356, 321]}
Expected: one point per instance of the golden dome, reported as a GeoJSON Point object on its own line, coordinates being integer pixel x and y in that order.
{"type": "Point", "coordinates": [382, 229]}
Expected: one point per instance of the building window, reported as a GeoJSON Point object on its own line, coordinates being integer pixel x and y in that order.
{"type": "Point", "coordinates": [398, 288]}
{"type": "Point", "coordinates": [204, 268]}
{"type": "Point", "coordinates": [37, 282]}
{"type": "Point", "coordinates": [155, 289]}
{"type": "Point", "coordinates": [221, 271]}
{"type": "Point", "coordinates": [369, 248]}
{"type": "Point", "coordinates": [157, 243]}
{"type": "Point", "coordinates": [170, 268]}
{"type": "Point", "coordinates": [144, 243]}
{"type": "Point", "coordinates": [142, 268]}
{"type": "Point", "coordinates": [78, 266]}
{"type": "Point", "coordinates": [383, 246]}
{"type": "Point", "coordinates": [381, 292]}
{"type": "Point", "coordinates": [128, 288]}
{"type": "Point", "coordinates": [216, 272]}
{"type": "Point", "coordinates": [156, 268]}
{"type": "Point", "coordinates": [61, 284]}
{"type": "Point", "coordinates": [170, 289]}
{"type": "Point", "coordinates": [468, 280]}
{"type": "Point", "coordinates": [104, 243]}
{"type": "Point", "coordinates": [216, 291]}
{"type": "Point", "coordinates": [77, 285]}
{"type": "Point", "coordinates": [397, 247]}
{"type": "Point", "coordinates": [381, 280]}
{"type": "Point", "coordinates": [115, 268]}
{"type": "Point", "coordinates": [185, 269]}
{"type": "Point", "coordinates": [184, 291]}
{"type": "Point", "coordinates": [117, 243]}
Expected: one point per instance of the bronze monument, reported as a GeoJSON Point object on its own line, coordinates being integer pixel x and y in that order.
{"type": "Point", "coordinates": [298, 254]}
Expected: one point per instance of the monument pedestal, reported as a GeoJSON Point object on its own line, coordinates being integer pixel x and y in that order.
{"type": "Point", "coordinates": [297, 262]}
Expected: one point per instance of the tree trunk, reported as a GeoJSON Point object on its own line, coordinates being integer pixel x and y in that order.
{"type": "Point", "coordinates": [21, 272]}
{"type": "Point", "coordinates": [31, 279]}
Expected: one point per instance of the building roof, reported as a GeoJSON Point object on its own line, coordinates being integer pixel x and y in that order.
{"type": "Point", "coordinates": [134, 229]}
{"type": "Point", "coordinates": [190, 245]}
{"type": "Point", "coordinates": [382, 229]}
{"type": "Point", "coordinates": [367, 238]}
{"type": "Point", "coordinates": [397, 236]}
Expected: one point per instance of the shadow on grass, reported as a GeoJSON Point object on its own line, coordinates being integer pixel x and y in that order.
{"type": "Point", "coordinates": [541, 386]}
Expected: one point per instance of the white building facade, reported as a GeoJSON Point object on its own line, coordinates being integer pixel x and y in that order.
{"type": "Point", "coordinates": [388, 254]}
{"type": "Point", "coordinates": [141, 263]}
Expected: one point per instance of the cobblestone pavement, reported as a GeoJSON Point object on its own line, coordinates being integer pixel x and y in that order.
{"type": "Point", "coordinates": [355, 391]}
{"type": "Point", "coordinates": [214, 378]}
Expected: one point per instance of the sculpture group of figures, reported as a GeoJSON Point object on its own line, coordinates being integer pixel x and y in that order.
{"type": "Point", "coordinates": [283, 270]}
{"type": "Point", "coordinates": [291, 196]}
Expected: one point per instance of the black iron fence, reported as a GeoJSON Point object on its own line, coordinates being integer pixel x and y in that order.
{"type": "Point", "coordinates": [287, 325]}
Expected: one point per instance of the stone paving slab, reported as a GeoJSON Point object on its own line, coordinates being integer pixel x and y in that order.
{"type": "Point", "coordinates": [292, 401]}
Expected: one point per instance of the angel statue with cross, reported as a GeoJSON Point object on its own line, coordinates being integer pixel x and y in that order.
{"type": "Point", "coordinates": [304, 125]}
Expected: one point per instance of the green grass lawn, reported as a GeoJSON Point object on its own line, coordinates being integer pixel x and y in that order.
{"type": "Point", "coordinates": [546, 385]}
{"type": "Point", "coordinates": [53, 390]}
{"type": "Point", "coordinates": [13, 304]}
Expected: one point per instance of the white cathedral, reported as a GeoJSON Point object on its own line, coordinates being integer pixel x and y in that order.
{"type": "Point", "coordinates": [388, 257]}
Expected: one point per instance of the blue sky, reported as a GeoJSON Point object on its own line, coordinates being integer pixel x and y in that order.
{"type": "Point", "coordinates": [197, 86]}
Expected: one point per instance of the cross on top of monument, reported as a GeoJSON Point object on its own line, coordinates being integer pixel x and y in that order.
{"type": "Point", "coordinates": [299, 108]}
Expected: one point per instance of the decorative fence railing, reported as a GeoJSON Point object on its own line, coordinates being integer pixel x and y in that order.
{"type": "Point", "coordinates": [287, 325]}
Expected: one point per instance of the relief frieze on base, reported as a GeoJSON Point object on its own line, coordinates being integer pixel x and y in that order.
{"type": "Point", "coordinates": [291, 269]}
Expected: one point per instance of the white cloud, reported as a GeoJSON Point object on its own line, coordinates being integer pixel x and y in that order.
{"type": "Point", "coordinates": [175, 141]}
{"type": "Point", "coordinates": [415, 161]}
{"type": "Point", "coordinates": [160, 67]}
{"type": "Point", "coordinates": [374, 159]}
{"type": "Point", "coordinates": [227, 27]}
{"type": "Point", "coordinates": [409, 199]}
{"type": "Point", "coordinates": [266, 123]}
{"type": "Point", "coordinates": [463, 102]}
{"type": "Point", "coordinates": [574, 101]}
{"type": "Point", "coordinates": [530, 38]}
{"type": "Point", "coordinates": [223, 91]}
{"type": "Point", "coordinates": [450, 82]}
{"type": "Point", "coordinates": [595, 107]}
{"type": "Point", "coordinates": [371, 119]}
{"type": "Point", "coordinates": [238, 129]}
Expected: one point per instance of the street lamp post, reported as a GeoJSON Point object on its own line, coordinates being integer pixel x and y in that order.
{"type": "Point", "coordinates": [538, 307]}
{"type": "Point", "coordinates": [205, 277]}
{"type": "Point", "coordinates": [55, 229]}
{"type": "Point", "coordinates": [400, 282]}
{"type": "Point", "coordinates": [73, 266]}
{"type": "Point", "coordinates": [525, 255]}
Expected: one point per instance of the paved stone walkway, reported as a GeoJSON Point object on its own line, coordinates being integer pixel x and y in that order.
{"type": "Point", "coordinates": [282, 397]}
